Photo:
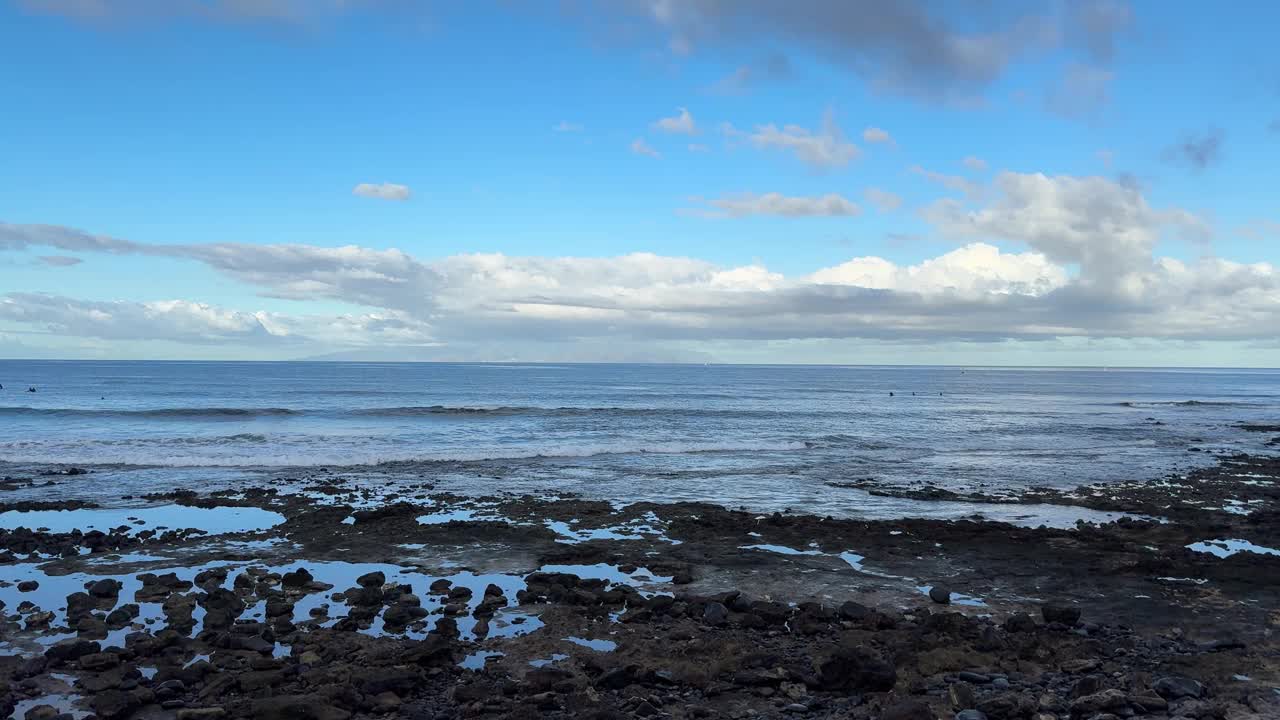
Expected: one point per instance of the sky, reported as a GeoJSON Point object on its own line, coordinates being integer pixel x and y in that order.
{"type": "Point", "coordinates": [991, 182]}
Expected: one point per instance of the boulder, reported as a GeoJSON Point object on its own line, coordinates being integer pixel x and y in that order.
{"type": "Point", "coordinates": [1176, 687]}
{"type": "Point", "coordinates": [1105, 701]}
{"type": "Point", "coordinates": [1065, 614]}
{"type": "Point", "coordinates": [855, 668]}
{"type": "Point", "coordinates": [715, 614]}
{"type": "Point", "coordinates": [373, 579]}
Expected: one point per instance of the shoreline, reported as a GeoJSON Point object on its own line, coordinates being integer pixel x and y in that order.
{"type": "Point", "coordinates": [678, 610]}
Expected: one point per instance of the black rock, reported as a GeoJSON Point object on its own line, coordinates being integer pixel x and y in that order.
{"type": "Point", "coordinates": [907, 710]}
{"type": "Point", "coordinates": [1020, 622]}
{"type": "Point", "coordinates": [296, 579]}
{"type": "Point", "coordinates": [1176, 687]}
{"type": "Point", "coordinates": [855, 668]}
{"type": "Point", "coordinates": [105, 588]}
{"type": "Point", "coordinates": [72, 649]}
{"type": "Point", "coordinates": [940, 594]}
{"type": "Point", "coordinates": [715, 614]}
{"type": "Point", "coordinates": [372, 580]}
{"type": "Point", "coordinates": [1064, 614]}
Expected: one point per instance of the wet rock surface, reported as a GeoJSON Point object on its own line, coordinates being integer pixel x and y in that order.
{"type": "Point", "coordinates": [362, 604]}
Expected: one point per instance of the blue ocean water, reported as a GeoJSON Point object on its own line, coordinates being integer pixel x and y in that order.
{"type": "Point", "coordinates": [758, 435]}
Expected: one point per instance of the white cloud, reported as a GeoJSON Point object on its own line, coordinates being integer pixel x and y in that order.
{"type": "Point", "coordinates": [640, 147]}
{"type": "Point", "coordinates": [884, 200]}
{"type": "Point", "coordinates": [876, 135]}
{"type": "Point", "coordinates": [1039, 257]}
{"type": "Point", "coordinates": [955, 183]}
{"type": "Point", "coordinates": [682, 123]}
{"type": "Point", "coordinates": [976, 268]}
{"type": "Point", "coordinates": [747, 204]}
{"type": "Point", "coordinates": [698, 148]}
{"type": "Point", "coordinates": [382, 191]}
{"type": "Point", "coordinates": [976, 164]}
{"type": "Point", "coordinates": [565, 126]}
{"type": "Point", "coordinates": [173, 319]}
{"type": "Point", "coordinates": [1105, 227]}
{"type": "Point", "coordinates": [823, 149]}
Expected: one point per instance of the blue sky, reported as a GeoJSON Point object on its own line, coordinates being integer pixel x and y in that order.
{"type": "Point", "coordinates": [226, 127]}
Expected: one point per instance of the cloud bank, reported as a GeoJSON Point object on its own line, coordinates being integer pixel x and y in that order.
{"type": "Point", "coordinates": [1043, 257]}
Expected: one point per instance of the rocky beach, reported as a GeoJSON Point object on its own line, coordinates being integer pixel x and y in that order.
{"type": "Point", "coordinates": [314, 595]}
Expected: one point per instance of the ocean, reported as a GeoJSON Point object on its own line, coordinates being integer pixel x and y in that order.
{"type": "Point", "coordinates": [763, 437]}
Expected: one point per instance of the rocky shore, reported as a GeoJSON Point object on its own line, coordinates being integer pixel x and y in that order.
{"type": "Point", "coordinates": [322, 598]}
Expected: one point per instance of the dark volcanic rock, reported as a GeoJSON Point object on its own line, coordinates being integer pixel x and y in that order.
{"type": "Point", "coordinates": [372, 580]}
{"type": "Point", "coordinates": [105, 588]}
{"type": "Point", "coordinates": [1064, 614]}
{"type": "Point", "coordinates": [715, 614]}
{"type": "Point", "coordinates": [855, 668]}
{"type": "Point", "coordinates": [1176, 687]}
{"type": "Point", "coordinates": [296, 579]}
{"type": "Point", "coordinates": [1105, 701]}
{"type": "Point", "coordinates": [1020, 623]}
{"type": "Point", "coordinates": [296, 707]}
{"type": "Point", "coordinates": [1008, 706]}
{"type": "Point", "coordinates": [68, 650]}
{"type": "Point", "coordinates": [940, 594]}
{"type": "Point", "coordinates": [907, 710]}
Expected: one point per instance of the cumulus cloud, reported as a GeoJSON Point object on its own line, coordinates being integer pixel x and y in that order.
{"type": "Point", "coordinates": [747, 204]}
{"type": "Point", "coordinates": [1197, 151]}
{"type": "Point", "coordinates": [1036, 257]}
{"type": "Point", "coordinates": [976, 164]}
{"type": "Point", "coordinates": [976, 268]}
{"type": "Point", "coordinates": [640, 147]}
{"type": "Point", "coordinates": [382, 191]}
{"type": "Point", "coordinates": [883, 200]}
{"type": "Point", "coordinates": [682, 122]}
{"type": "Point", "coordinates": [822, 149]}
{"type": "Point", "coordinates": [179, 320]}
{"type": "Point", "coordinates": [1105, 227]}
{"type": "Point", "coordinates": [198, 323]}
{"type": "Point", "coordinates": [877, 135]}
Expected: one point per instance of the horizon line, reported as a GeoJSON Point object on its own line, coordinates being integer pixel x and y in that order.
{"type": "Point", "coordinates": [654, 363]}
